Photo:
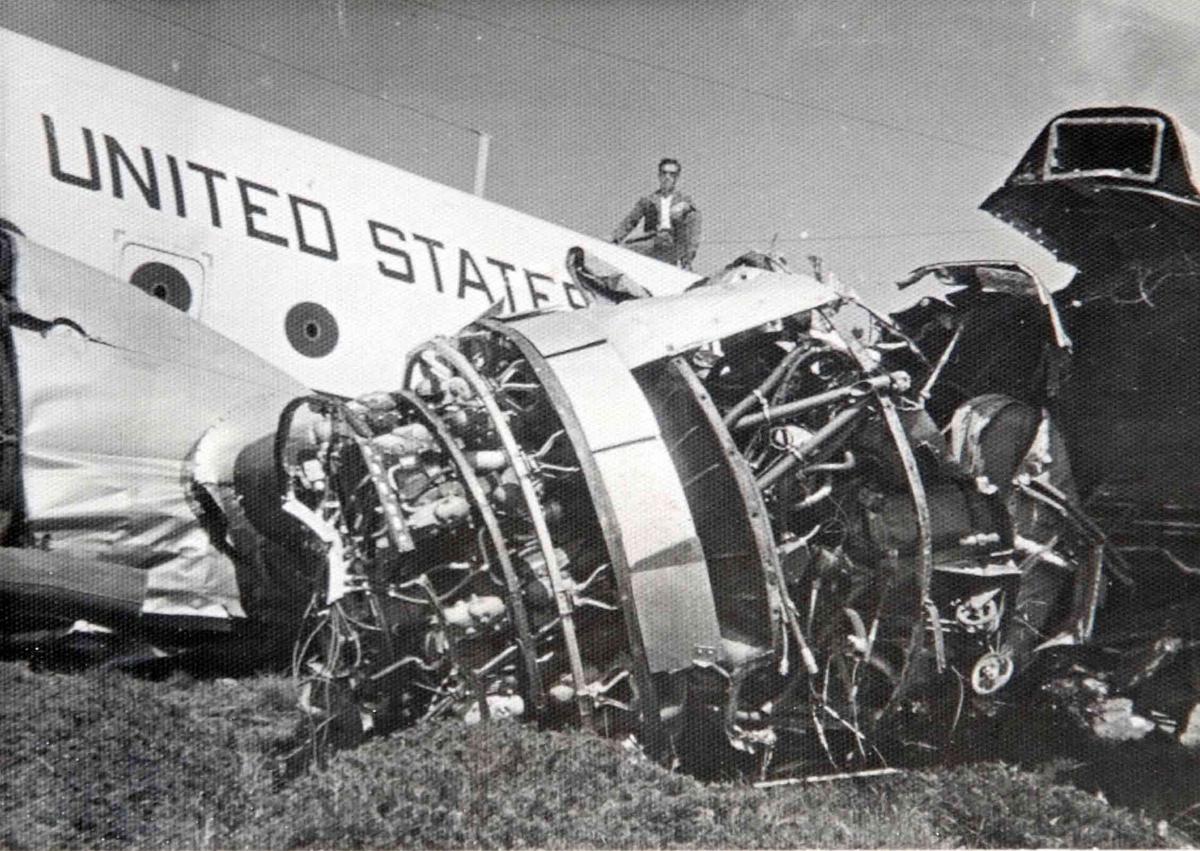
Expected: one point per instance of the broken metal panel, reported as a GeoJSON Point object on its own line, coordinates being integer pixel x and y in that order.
{"type": "Point", "coordinates": [599, 282]}
{"type": "Point", "coordinates": [985, 339]}
{"type": "Point", "coordinates": [645, 330]}
{"type": "Point", "coordinates": [117, 389]}
{"type": "Point", "coordinates": [133, 511]}
{"type": "Point", "coordinates": [999, 277]}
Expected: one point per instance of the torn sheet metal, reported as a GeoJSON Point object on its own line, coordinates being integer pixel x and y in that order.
{"type": "Point", "coordinates": [740, 299]}
{"type": "Point", "coordinates": [116, 391]}
{"type": "Point", "coordinates": [1002, 277]}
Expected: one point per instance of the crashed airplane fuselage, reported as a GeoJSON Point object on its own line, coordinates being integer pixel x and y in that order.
{"type": "Point", "coordinates": [1111, 192]}
{"type": "Point", "coordinates": [595, 516]}
{"type": "Point", "coordinates": [706, 510]}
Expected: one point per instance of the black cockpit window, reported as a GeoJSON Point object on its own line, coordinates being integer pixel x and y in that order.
{"type": "Point", "coordinates": [1126, 147]}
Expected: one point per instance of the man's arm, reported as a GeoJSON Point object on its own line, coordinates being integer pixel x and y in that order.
{"type": "Point", "coordinates": [630, 221]}
{"type": "Point", "coordinates": [690, 235]}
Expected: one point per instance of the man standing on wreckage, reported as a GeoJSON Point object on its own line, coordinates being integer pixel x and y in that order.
{"type": "Point", "coordinates": [670, 218]}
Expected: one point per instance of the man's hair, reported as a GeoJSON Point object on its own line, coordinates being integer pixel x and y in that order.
{"type": "Point", "coordinates": [669, 161]}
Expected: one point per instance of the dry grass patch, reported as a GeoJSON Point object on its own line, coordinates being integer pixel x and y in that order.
{"type": "Point", "coordinates": [106, 761]}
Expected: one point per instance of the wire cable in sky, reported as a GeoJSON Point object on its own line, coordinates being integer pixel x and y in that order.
{"type": "Point", "coordinates": [690, 75]}
{"type": "Point", "coordinates": [299, 69]}
{"type": "Point", "coordinates": [846, 237]}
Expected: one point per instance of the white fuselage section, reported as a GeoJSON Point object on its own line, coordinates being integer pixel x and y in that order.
{"type": "Point", "coordinates": [328, 264]}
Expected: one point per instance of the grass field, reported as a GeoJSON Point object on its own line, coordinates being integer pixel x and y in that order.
{"type": "Point", "coordinates": [106, 761]}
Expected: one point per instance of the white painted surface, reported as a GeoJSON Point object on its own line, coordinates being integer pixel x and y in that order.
{"type": "Point", "coordinates": [257, 212]}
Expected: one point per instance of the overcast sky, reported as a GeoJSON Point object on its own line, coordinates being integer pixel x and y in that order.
{"type": "Point", "coordinates": [861, 130]}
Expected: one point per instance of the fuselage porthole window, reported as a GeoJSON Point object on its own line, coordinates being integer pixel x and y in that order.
{"type": "Point", "coordinates": [311, 329]}
{"type": "Point", "coordinates": [164, 282]}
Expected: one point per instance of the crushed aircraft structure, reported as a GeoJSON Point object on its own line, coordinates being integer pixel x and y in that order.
{"type": "Point", "coordinates": [594, 516]}
{"type": "Point", "coordinates": [708, 510]}
{"type": "Point", "coordinates": [126, 425]}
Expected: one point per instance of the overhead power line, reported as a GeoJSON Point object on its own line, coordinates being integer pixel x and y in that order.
{"type": "Point", "coordinates": [713, 81]}
{"type": "Point", "coordinates": [299, 69]}
{"type": "Point", "coordinates": [848, 237]}
{"type": "Point", "coordinates": [573, 45]}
